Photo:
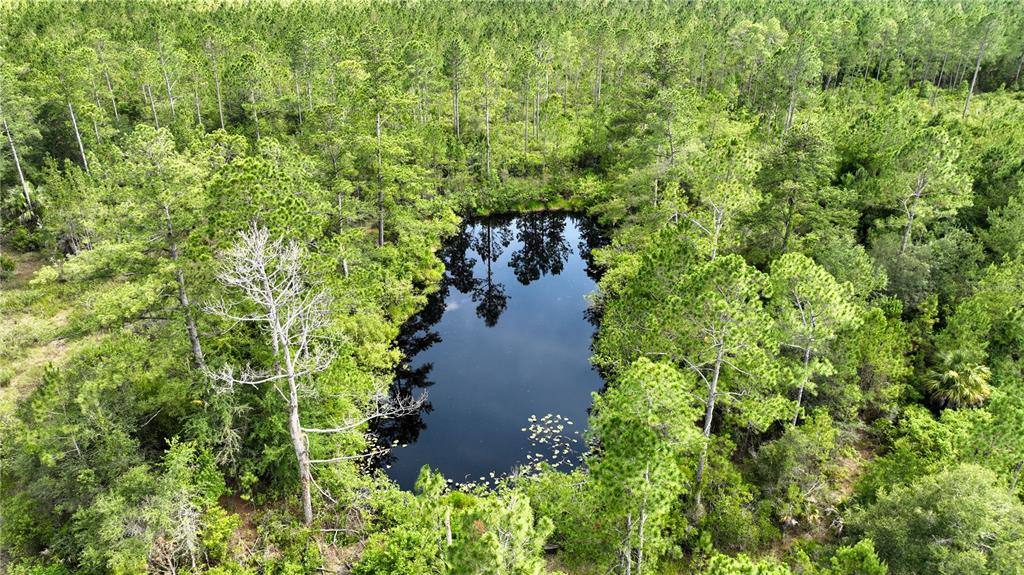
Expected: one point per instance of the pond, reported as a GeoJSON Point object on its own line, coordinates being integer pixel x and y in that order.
{"type": "Point", "coordinates": [502, 350]}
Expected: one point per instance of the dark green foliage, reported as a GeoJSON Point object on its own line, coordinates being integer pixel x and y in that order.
{"type": "Point", "coordinates": [962, 520]}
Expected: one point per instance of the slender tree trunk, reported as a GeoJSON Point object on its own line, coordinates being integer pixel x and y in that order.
{"type": "Point", "coordinates": [803, 383]}
{"type": "Point", "coordinates": [789, 113]}
{"type": "Point", "coordinates": [186, 307]}
{"type": "Point", "coordinates": [195, 95]}
{"type": "Point", "coordinates": [448, 526]}
{"type": "Point", "coordinates": [220, 100]}
{"type": "Point", "coordinates": [17, 167]}
{"type": "Point", "coordinates": [671, 144]}
{"type": "Point", "coordinates": [908, 208]}
{"type": "Point", "coordinates": [255, 114]}
{"type": "Point", "coordinates": [1020, 63]}
{"type": "Point", "coordinates": [152, 104]}
{"type": "Point", "coordinates": [487, 130]}
{"type": "Point", "coordinates": [95, 123]}
{"type": "Point", "coordinates": [298, 440]}
{"type": "Point", "coordinates": [791, 201]}
{"type": "Point", "coordinates": [536, 118]}
{"type": "Point", "coordinates": [526, 126]}
{"type": "Point", "coordinates": [643, 522]}
{"type": "Point", "coordinates": [167, 79]}
{"type": "Point", "coordinates": [709, 414]}
{"type": "Point", "coordinates": [78, 136]}
{"type": "Point", "coordinates": [456, 123]}
{"type": "Point", "coordinates": [380, 189]}
{"type": "Point", "coordinates": [629, 544]}
{"type": "Point", "coordinates": [977, 68]}
{"type": "Point", "coordinates": [113, 98]}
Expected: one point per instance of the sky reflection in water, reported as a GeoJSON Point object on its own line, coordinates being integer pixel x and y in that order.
{"type": "Point", "coordinates": [506, 336]}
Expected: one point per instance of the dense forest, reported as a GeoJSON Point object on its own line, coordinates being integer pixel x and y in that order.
{"type": "Point", "coordinates": [217, 215]}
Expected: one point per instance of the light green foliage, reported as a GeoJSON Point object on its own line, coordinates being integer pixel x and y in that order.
{"type": "Point", "coordinates": [811, 308]}
{"type": "Point", "coordinates": [962, 520]}
{"type": "Point", "coordinates": [798, 201]}
{"type": "Point", "coordinates": [798, 474]}
{"type": "Point", "coordinates": [491, 533]}
{"type": "Point", "coordinates": [743, 565]}
{"type": "Point", "coordinates": [872, 362]}
{"type": "Point", "coordinates": [646, 442]}
{"type": "Point", "coordinates": [722, 174]}
{"type": "Point", "coordinates": [1005, 234]}
{"type": "Point", "coordinates": [574, 508]}
{"type": "Point", "coordinates": [985, 327]}
{"type": "Point", "coordinates": [152, 520]}
{"type": "Point", "coordinates": [927, 183]}
{"type": "Point", "coordinates": [859, 559]}
{"type": "Point", "coordinates": [716, 319]}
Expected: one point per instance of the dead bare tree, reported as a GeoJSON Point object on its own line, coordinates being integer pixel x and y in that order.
{"type": "Point", "coordinates": [292, 312]}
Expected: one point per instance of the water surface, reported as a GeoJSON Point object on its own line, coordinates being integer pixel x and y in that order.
{"type": "Point", "coordinates": [506, 337]}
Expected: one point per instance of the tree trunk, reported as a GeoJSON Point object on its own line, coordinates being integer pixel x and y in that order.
{"type": "Point", "coordinates": [1020, 63]}
{"type": "Point", "coordinates": [456, 124]}
{"type": "Point", "coordinates": [380, 190]}
{"type": "Point", "coordinates": [17, 167]}
{"type": "Point", "coordinates": [526, 125]}
{"type": "Point", "coordinates": [448, 526]}
{"type": "Point", "coordinates": [671, 144]}
{"type": "Point", "coordinates": [487, 130]}
{"type": "Point", "coordinates": [167, 79]}
{"type": "Point", "coordinates": [803, 383]}
{"type": "Point", "coordinates": [789, 113]}
{"type": "Point", "coordinates": [908, 208]}
{"type": "Point", "coordinates": [152, 104]}
{"type": "Point", "coordinates": [298, 440]}
{"type": "Point", "coordinates": [791, 201]}
{"type": "Point", "coordinates": [113, 99]}
{"type": "Point", "coordinates": [629, 545]}
{"type": "Point", "coordinates": [199, 112]}
{"type": "Point", "coordinates": [220, 101]}
{"type": "Point", "coordinates": [709, 414]}
{"type": "Point", "coordinates": [96, 100]}
{"type": "Point", "coordinates": [977, 68]}
{"type": "Point", "coordinates": [78, 136]}
{"type": "Point", "coordinates": [186, 307]}
{"type": "Point", "coordinates": [643, 521]}
{"type": "Point", "coordinates": [255, 114]}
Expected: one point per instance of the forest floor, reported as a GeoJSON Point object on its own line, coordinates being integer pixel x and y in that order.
{"type": "Point", "coordinates": [33, 330]}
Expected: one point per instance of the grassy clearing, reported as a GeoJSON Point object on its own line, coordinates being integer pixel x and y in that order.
{"type": "Point", "coordinates": [34, 329]}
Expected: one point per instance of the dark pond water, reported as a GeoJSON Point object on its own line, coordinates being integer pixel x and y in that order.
{"type": "Point", "coordinates": [502, 344]}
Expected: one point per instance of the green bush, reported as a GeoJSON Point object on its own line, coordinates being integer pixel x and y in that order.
{"type": "Point", "coordinates": [957, 522]}
{"type": "Point", "coordinates": [6, 267]}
